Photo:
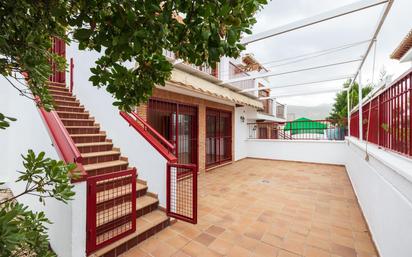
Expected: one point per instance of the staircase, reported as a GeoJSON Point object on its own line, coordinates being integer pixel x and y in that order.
{"type": "Point", "coordinates": [101, 157]}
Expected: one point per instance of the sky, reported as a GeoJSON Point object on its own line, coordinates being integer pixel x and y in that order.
{"type": "Point", "coordinates": [348, 33]}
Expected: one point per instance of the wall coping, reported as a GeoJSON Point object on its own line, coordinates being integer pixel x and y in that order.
{"type": "Point", "coordinates": [400, 164]}
{"type": "Point", "coordinates": [299, 141]}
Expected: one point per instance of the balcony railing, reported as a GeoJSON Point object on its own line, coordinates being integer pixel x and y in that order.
{"type": "Point", "coordinates": [203, 68]}
{"type": "Point", "coordinates": [386, 118]}
{"type": "Point", "coordinates": [280, 110]}
{"type": "Point", "coordinates": [298, 130]}
{"type": "Point", "coordinates": [268, 106]}
{"type": "Point", "coordinates": [236, 72]}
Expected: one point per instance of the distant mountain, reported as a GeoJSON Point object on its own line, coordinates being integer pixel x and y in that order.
{"type": "Point", "coordinates": [318, 112]}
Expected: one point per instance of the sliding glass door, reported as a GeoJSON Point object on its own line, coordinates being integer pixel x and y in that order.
{"type": "Point", "coordinates": [218, 137]}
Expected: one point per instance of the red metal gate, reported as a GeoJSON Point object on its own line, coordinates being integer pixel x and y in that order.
{"type": "Point", "coordinates": [111, 208]}
{"type": "Point", "coordinates": [181, 181]}
{"type": "Point", "coordinates": [59, 48]}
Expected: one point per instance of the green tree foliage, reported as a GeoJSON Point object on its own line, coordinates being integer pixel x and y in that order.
{"type": "Point", "coordinates": [5, 121]}
{"type": "Point", "coordinates": [23, 232]}
{"type": "Point", "coordinates": [340, 107]}
{"type": "Point", "coordinates": [122, 31]}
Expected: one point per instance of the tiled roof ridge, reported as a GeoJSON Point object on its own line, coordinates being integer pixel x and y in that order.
{"type": "Point", "coordinates": [403, 47]}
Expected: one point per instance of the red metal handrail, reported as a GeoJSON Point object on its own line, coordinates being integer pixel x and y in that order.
{"type": "Point", "coordinates": [161, 144]}
{"type": "Point", "coordinates": [152, 130]}
{"type": "Point", "coordinates": [62, 141]}
{"type": "Point", "coordinates": [64, 144]}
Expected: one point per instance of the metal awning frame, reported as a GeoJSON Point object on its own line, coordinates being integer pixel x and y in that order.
{"type": "Point", "coordinates": [345, 10]}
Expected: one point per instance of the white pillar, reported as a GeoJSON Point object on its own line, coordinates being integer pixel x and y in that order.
{"type": "Point", "coordinates": [360, 106]}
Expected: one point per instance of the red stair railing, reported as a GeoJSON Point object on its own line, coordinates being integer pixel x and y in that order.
{"type": "Point", "coordinates": [161, 144]}
{"type": "Point", "coordinates": [62, 141]}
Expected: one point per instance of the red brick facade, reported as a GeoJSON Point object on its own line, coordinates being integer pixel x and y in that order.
{"type": "Point", "coordinates": [201, 104]}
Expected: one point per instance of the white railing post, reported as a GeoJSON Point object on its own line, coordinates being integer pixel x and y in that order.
{"type": "Point", "coordinates": [360, 107]}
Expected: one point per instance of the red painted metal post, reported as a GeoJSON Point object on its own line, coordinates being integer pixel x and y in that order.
{"type": "Point", "coordinates": [410, 114]}
{"type": "Point", "coordinates": [194, 195]}
{"type": "Point", "coordinates": [91, 213]}
{"type": "Point", "coordinates": [182, 188]}
{"type": "Point", "coordinates": [71, 75]}
{"type": "Point", "coordinates": [168, 167]}
{"type": "Point", "coordinates": [379, 119]}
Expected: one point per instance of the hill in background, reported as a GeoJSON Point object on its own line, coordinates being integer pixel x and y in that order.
{"type": "Point", "coordinates": [318, 112]}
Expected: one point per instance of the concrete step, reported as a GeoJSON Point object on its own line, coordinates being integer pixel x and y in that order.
{"type": "Point", "coordinates": [73, 115]}
{"type": "Point", "coordinates": [103, 156]}
{"type": "Point", "coordinates": [115, 192]}
{"type": "Point", "coordinates": [89, 138]}
{"type": "Point", "coordinates": [70, 109]}
{"type": "Point", "coordinates": [64, 98]}
{"type": "Point", "coordinates": [144, 205]}
{"type": "Point", "coordinates": [66, 103]}
{"type": "Point", "coordinates": [58, 88]}
{"type": "Point", "coordinates": [60, 92]}
{"type": "Point", "coordinates": [94, 147]}
{"type": "Point", "coordinates": [77, 122]}
{"type": "Point", "coordinates": [83, 129]}
{"type": "Point", "coordinates": [146, 226]}
{"type": "Point", "coordinates": [105, 167]}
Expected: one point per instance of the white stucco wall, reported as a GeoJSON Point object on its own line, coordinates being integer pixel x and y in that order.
{"type": "Point", "coordinates": [241, 131]}
{"type": "Point", "coordinates": [29, 132]}
{"type": "Point", "coordinates": [318, 151]}
{"type": "Point", "coordinates": [383, 186]}
{"type": "Point", "coordinates": [150, 164]}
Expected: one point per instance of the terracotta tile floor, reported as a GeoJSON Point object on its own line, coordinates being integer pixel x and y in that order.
{"type": "Point", "coordinates": [269, 208]}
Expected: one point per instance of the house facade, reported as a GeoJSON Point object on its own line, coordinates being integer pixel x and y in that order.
{"type": "Point", "coordinates": [135, 167]}
{"type": "Point", "coordinates": [140, 169]}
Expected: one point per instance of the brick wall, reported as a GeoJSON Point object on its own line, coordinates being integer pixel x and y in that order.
{"type": "Point", "coordinates": [202, 105]}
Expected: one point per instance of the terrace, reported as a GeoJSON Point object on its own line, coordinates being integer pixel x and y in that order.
{"type": "Point", "coordinates": [269, 208]}
{"type": "Point", "coordinates": [303, 188]}
{"type": "Point", "coordinates": [313, 188]}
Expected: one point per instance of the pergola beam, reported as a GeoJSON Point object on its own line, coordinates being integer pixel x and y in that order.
{"type": "Point", "coordinates": [338, 12]}
{"type": "Point", "coordinates": [378, 28]}
{"type": "Point", "coordinates": [273, 73]}
{"type": "Point", "coordinates": [303, 94]}
{"type": "Point", "coordinates": [299, 84]}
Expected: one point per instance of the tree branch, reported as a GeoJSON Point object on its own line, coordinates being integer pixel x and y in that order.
{"type": "Point", "coordinates": [22, 91]}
